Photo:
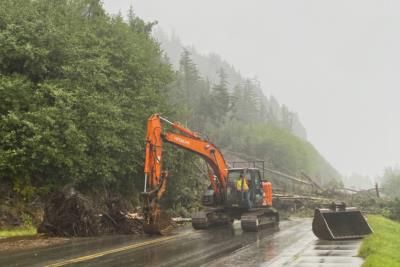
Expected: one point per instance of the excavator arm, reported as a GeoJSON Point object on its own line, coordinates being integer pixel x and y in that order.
{"type": "Point", "coordinates": [156, 179]}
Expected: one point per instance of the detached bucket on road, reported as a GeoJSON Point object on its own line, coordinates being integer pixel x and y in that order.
{"type": "Point", "coordinates": [338, 223]}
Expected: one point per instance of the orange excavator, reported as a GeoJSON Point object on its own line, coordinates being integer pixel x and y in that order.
{"type": "Point", "coordinates": [223, 202]}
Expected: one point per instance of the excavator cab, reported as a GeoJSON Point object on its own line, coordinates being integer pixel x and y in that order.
{"type": "Point", "coordinates": [236, 198]}
{"type": "Point", "coordinates": [233, 196]}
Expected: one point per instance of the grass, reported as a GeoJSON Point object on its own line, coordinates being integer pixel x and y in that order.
{"type": "Point", "coordinates": [382, 248]}
{"type": "Point", "coordinates": [19, 231]}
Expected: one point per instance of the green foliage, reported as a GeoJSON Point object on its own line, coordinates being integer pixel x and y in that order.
{"type": "Point", "coordinates": [220, 98]}
{"type": "Point", "coordinates": [186, 183]}
{"type": "Point", "coordinates": [280, 149]}
{"type": "Point", "coordinates": [391, 182]}
{"type": "Point", "coordinates": [77, 87]}
{"type": "Point", "coordinates": [246, 103]}
{"type": "Point", "coordinates": [394, 209]}
{"type": "Point", "coordinates": [381, 248]}
{"type": "Point", "coordinates": [193, 95]}
{"type": "Point", "coordinates": [18, 231]}
{"type": "Point", "coordinates": [27, 220]}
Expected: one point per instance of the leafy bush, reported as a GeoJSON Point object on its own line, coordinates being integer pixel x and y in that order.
{"type": "Point", "coordinates": [394, 210]}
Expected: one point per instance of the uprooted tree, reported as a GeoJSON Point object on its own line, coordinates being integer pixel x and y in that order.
{"type": "Point", "coordinates": [69, 213]}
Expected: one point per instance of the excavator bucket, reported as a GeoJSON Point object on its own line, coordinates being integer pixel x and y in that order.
{"type": "Point", "coordinates": [156, 221]}
{"type": "Point", "coordinates": [338, 223]}
{"type": "Point", "coordinates": [160, 224]}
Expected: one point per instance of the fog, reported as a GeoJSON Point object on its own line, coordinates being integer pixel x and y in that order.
{"type": "Point", "coordinates": [336, 63]}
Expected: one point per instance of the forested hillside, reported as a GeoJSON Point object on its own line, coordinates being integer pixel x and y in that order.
{"type": "Point", "coordinates": [209, 66]}
{"type": "Point", "coordinates": [77, 86]}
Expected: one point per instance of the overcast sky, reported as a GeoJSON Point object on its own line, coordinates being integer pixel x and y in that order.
{"type": "Point", "coordinates": [336, 63]}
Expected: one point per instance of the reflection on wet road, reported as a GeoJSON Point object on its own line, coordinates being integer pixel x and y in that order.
{"type": "Point", "coordinates": [324, 254]}
{"type": "Point", "coordinates": [191, 250]}
{"type": "Point", "coordinates": [293, 244]}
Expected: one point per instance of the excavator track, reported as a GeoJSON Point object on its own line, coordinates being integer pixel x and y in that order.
{"type": "Point", "coordinates": [200, 220]}
{"type": "Point", "coordinates": [257, 219]}
{"type": "Point", "coordinates": [211, 217]}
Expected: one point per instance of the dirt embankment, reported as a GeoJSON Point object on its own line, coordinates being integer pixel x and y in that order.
{"type": "Point", "coordinates": [15, 212]}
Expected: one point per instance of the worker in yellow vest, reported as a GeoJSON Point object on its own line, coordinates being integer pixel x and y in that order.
{"type": "Point", "coordinates": [243, 188]}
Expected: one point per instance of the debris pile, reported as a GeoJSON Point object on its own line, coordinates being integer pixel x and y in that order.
{"type": "Point", "coordinates": [117, 220]}
{"type": "Point", "coordinates": [69, 213]}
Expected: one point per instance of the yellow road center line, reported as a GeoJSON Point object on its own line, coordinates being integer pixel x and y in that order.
{"type": "Point", "coordinates": [107, 252]}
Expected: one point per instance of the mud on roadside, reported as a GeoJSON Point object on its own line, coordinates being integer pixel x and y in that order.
{"type": "Point", "coordinates": [25, 243]}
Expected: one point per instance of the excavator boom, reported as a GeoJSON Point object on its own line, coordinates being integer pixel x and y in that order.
{"type": "Point", "coordinates": [156, 180]}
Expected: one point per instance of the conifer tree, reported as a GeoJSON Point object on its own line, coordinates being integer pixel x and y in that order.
{"type": "Point", "coordinates": [220, 97]}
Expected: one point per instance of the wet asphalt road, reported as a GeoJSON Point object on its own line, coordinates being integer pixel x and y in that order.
{"type": "Point", "coordinates": [292, 244]}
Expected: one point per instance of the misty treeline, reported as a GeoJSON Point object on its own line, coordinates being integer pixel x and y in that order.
{"type": "Point", "coordinates": [77, 87]}
{"type": "Point", "coordinates": [390, 182]}
{"type": "Point", "coordinates": [209, 66]}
